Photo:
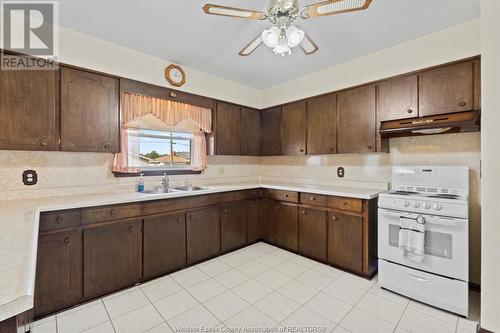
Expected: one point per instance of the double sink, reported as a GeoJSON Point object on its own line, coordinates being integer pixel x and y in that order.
{"type": "Point", "coordinates": [175, 189]}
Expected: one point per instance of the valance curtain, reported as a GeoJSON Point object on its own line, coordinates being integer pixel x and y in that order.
{"type": "Point", "coordinates": [170, 113]}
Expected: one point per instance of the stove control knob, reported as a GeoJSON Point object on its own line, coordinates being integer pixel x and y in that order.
{"type": "Point", "coordinates": [427, 205]}
{"type": "Point", "coordinates": [437, 206]}
{"type": "Point", "coordinates": [416, 204]}
{"type": "Point", "coordinates": [406, 203]}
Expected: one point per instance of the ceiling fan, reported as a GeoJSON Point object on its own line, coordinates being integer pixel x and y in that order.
{"type": "Point", "coordinates": [283, 36]}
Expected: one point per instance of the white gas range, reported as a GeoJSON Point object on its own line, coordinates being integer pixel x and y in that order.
{"type": "Point", "coordinates": [423, 235]}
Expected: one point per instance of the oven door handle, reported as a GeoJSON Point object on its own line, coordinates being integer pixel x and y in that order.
{"type": "Point", "coordinates": [444, 221]}
{"type": "Point", "coordinates": [419, 278]}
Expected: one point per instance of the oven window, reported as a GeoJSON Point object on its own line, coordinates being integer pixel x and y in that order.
{"type": "Point", "coordinates": [437, 244]}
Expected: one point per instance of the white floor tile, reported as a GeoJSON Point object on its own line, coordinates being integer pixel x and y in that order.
{"type": "Point", "coordinates": [44, 320]}
{"type": "Point", "coordinates": [285, 255]}
{"type": "Point", "coordinates": [206, 290]}
{"type": "Point", "coordinates": [358, 321]}
{"type": "Point", "coordinates": [356, 281]}
{"type": "Point", "coordinates": [253, 252]}
{"type": "Point", "coordinates": [226, 305]}
{"type": "Point", "coordinates": [105, 327]}
{"type": "Point", "coordinates": [327, 270]}
{"type": "Point", "coordinates": [340, 329]}
{"type": "Point", "coordinates": [251, 319]}
{"type": "Point", "coordinates": [291, 269]}
{"type": "Point", "coordinates": [265, 247]}
{"type": "Point", "coordinates": [44, 327]}
{"type": "Point", "coordinates": [277, 306]}
{"type": "Point", "coordinates": [162, 328]}
{"type": "Point", "coordinates": [138, 321]}
{"type": "Point", "coordinates": [235, 259]}
{"type": "Point", "coordinates": [329, 307]}
{"type": "Point", "coordinates": [124, 302]}
{"type": "Point", "coordinates": [253, 268]}
{"type": "Point", "coordinates": [175, 304]}
{"type": "Point", "coordinates": [270, 260]}
{"type": "Point", "coordinates": [345, 292]}
{"type": "Point", "coordinates": [314, 279]}
{"type": "Point", "coordinates": [159, 288]}
{"type": "Point", "coordinates": [297, 291]}
{"type": "Point", "coordinates": [401, 330]}
{"type": "Point", "coordinates": [189, 276]}
{"type": "Point", "coordinates": [231, 278]}
{"type": "Point", "coordinates": [251, 290]}
{"type": "Point", "coordinates": [214, 267]}
{"type": "Point", "coordinates": [303, 261]}
{"type": "Point", "coordinates": [273, 279]}
{"type": "Point", "coordinates": [306, 318]}
{"type": "Point", "coordinates": [389, 295]}
{"type": "Point", "coordinates": [434, 312]}
{"type": "Point", "coordinates": [82, 318]}
{"type": "Point", "coordinates": [418, 322]}
{"type": "Point", "coordinates": [382, 308]}
{"type": "Point", "coordinates": [197, 317]}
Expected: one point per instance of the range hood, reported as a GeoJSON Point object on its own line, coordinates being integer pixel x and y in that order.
{"type": "Point", "coordinates": [469, 121]}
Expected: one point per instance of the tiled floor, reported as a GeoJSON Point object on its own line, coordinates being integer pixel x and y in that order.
{"type": "Point", "coordinates": [259, 286]}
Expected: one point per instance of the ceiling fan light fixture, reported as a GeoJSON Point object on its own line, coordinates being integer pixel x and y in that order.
{"type": "Point", "coordinates": [294, 35]}
{"type": "Point", "coordinates": [271, 36]}
{"type": "Point", "coordinates": [282, 48]}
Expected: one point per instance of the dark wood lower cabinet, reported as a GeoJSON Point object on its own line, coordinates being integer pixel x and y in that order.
{"type": "Point", "coordinates": [59, 271]}
{"type": "Point", "coordinates": [203, 234]}
{"type": "Point", "coordinates": [233, 224]}
{"type": "Point", "coordinates": [287, 226]}
{"type": "Point", "coordinates": [254, 229]}
{"type": "Point", "coordinates": [164, 244]}
{"type": "Point", "coordinates": [312, 233]}
{"type": "Point", "coordinates": [112, 257]}
{"type": "Point", "coordinates": [345, 241]}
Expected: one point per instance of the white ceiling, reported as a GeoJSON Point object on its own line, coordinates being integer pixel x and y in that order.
{"type": "Point", "coordinates": [179, 31]}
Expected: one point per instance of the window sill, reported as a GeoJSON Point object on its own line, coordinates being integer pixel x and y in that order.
{"type": "Point", "coordinates": [157, 173]}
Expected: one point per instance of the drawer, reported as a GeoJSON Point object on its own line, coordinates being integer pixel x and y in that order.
{"type": "Point", "coordinates": [313, 199]}
{"type": "Point", "coordinates": [245, 194]}
{"type": "Point", "coordinates": [109, 213]}
{"type": "Point", "coordinates": [59, 220]}
{"type": "Point", "coordinates": [281, 195]}
{"type": "Point", "coordinates": [355, 205]}
{"type": "Point", "coordinates": [442, 292]}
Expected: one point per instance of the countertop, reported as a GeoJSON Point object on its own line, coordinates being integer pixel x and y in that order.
{"type": "Point", "coordinates": [19, 230]}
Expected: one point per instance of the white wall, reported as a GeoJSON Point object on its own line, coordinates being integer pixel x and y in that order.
{"type": "Point", "coordinates": [490, 155]}
{"type": "Point", "coordinates": [455, 43]}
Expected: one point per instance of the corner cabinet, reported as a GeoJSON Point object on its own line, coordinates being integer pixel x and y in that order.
{"type": "Point", "coordinates": [250, 132]}
{"type": "Point", "coordinates": [270, 131]}
{"type": "Point", "coordinates": [293, 129]}
{"type": "Point", "coordinates": [89, 112]}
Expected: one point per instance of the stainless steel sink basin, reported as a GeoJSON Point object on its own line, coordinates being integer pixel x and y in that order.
{"type": "Point", "coordinates": [189, 188]}
{"type": "Point", "coordinates": [159, 190]}
{"type": "Point", "coordinates": [175, 189]}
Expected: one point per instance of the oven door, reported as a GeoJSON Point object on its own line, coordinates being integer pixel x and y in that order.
{"type": "Point", "coordinates": [446, 243]}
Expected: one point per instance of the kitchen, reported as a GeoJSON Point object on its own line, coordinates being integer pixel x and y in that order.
{"type": "Point", "coordinates": [285, 199]}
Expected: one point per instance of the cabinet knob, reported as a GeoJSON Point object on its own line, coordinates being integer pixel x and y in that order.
{"type": "Point", "coordinates": [462, 103]}
{"type": "Point", "coordinates": [130, 228]}
{"type": "Point", "coordinates": [369, 147]}
{"type": "Point", "coordinates": [112, 211]}
{"type": "Point", "coordinates": [409, 111]}
{"type": "Point", "coordinates": [44, 143]}
{"type": "Point", "coordinates": [106, 146]}
{"type": "Point", "coordinates": [59, 219]}
{"type": "Point", "coordinates": [332, 150]}
{"type": "Point", "coordinates": [286, 195]}
{"type": "Point", "coordinates": [225, 211]}
{"type": "Point", "coordinates": [303, 212]}
{"type": "Point", "coordinates": [312, 198]}
{"type": "Point", "coordinates": [244, 151]}
{"type": "Point", "coordinates": [301, 150]}
{"type": "Point", "coordinates": [67, 240]}
{"type": "Point", "coordinates": [251, 205]}
{"type": "Point", "coordinates": [334, 218]}
{"type": "Point", "coordinates": [178, 220]}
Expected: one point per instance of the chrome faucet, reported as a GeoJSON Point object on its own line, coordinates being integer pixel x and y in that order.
{"type": "Point", "coordinates": [165, 182]}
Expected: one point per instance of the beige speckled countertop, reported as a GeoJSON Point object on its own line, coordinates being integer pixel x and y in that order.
{"type": "Point", "coordinates": [19, 230]}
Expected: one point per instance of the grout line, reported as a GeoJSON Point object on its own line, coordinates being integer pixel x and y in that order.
{"type": "Point", "coordinates": [106, 309]}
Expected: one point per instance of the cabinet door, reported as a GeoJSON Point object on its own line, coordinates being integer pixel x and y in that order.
{"type": "Point", "coordinates": [227, 129]}
{"type": "Point", "coordinates": [112, 257]}
{"type": "Point", "coordinates": [255, 226]}
{"type": "Point", "coordinates": [287, 226]}
{"type": "Point", "coordinates": [250, 132]}
{"type": "Point", "coordinates": [345, 245]}
{"type": "Point", "coordinates": [28, 110]}
{"type": "Point", "coordinates": [447, 89]}
{"type": "Point", "coordinates": [271, 139]}
{"type": "Point", "coordinates": [267, 217]}
{"type": "Point", "coordinates": [397, 98]}
{"type": "Point", "coordinates": [164, 244]}
{"type": "Point", "coordinates": [322, 125]}
{"type": "Point", "coordinates": [293, 129]}
{"type": "Point", "coordinates": [202, 234]}
{"type": "Point", "coordinates": [233, 224]}
{"type": "Point", "coordinates": [312, 233]}
{"type": "Point", "coordinates": [58, 282]}
{"type": "Point", "coordinates": [89, 112]}
{"type": "Point", "coordinates": [356, 129]}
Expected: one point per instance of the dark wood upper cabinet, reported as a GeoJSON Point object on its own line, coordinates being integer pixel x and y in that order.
{"type": "Point", "coordinates": [312, 232]}
{"type": "Point", "coordinates": [250, 132]}
{"type": "Point", "coordinates": [227, 129]}
{"type": "Point", "coordinates": [356, 120]}
{"type": "Point", "coordinates": [28, 109]}
{"type": "Point", "coordinates": [89, 112]}
{"type": "Point", "coordinates": [270, 131]}
{"type": "Point", "coordinates": [112, 257]}
{"type": "Point", "coordinates": [293, 129]}
{"type": "Point", "coordinates": [345, 241]}
{"type": "Point", "coordinates": [164, 244]}
{"type": "Point", "coordinates": [202, 234]}
{"type": "Point", "coordinates": [233, 224]}
{"type": "Point", "coordinates": [58, 271]}
{"type": "Point", "coordinates": [398, 98]}
{"type": "Point", "coordinates": [322, 125]}
{"type": "Point", "coordinates": [477, 84]}
{"type": "Point", "coordinates": [287, 226]}
{"type": "Point", "coordinates": [447, 89]}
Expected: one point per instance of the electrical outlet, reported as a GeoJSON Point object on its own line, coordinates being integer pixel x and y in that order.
{"type": "Point", "coordinates": [30, 177]}
{"type": "Point", "coordinates": [340, 172]}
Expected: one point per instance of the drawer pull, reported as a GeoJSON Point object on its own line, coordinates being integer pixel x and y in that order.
{"type": "Point", "coordinates": [59, 219]}
{"type": "Point", "coordinates": [462, 103]}
{"type": "Point", "coordinates": [345, 203]}
{"type": "Point", "coordinates": [286, 195]}
{"type": "Point", "coordinates": [419, 278]}
{"type": "Point", "coordinates": [409, 111]}
{"type": "Point", "coordinates": [67, 240]}
{"type": "Point", "coordinates": [112, 211]}
{"type": "Point", "coordinates": [106, 146]}
{"type": "Point", "coordinates": [44, 143]}
{"type": "Point", "coordinates": [312, 198]}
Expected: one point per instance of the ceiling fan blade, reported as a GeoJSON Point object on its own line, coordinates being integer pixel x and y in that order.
{"type": "Point", "coordinates": [332, 7]}
{"type": "Point", "coordinates": [233, 12]}
{"type": "Point", "coordinates": [252, 46]}
{"type": "Point", "coordinates": [308, 45]}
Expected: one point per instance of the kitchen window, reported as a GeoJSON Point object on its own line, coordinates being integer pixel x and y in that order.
{"type": "Point", "coordinates": [162, 150]}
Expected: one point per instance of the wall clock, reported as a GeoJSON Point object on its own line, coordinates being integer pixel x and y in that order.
{"type": "Point", "coordinates": [175, 75]}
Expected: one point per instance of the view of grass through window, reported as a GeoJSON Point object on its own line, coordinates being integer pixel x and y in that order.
{"type": "Point", "coordinates": [163, 150]}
